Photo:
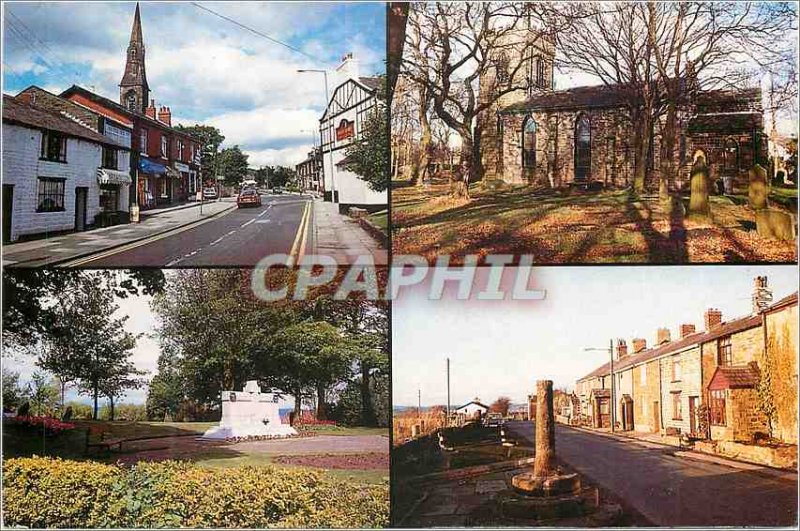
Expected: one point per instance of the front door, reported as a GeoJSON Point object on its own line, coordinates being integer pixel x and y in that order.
{"type": "Point", "coordinates": [8, 208]}
{"type": "Point", "coordinates": [81, 195]}
{"type": "Point", "coordinates": [693, 415]}
{"type": "Point", "coordinates": [656, 417]}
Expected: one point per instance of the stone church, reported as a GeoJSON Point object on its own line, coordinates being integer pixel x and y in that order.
{"type": "Point", "coordinates": [582, 136]}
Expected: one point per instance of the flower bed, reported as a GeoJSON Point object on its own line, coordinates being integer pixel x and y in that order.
{"type": "Point", "coordinates": [50, 425]}
{"type": "Point", "coordinates": [44, 492]}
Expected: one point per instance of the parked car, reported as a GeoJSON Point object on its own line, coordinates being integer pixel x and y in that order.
{"type": "Point", "coordinates": [493, 420]}
{"type": "Point", "coordinates": [209, 193]}
{"type": "Point", "coordinates": [277, 190]}
{"type": "Point", "coordinates": [248, 197]}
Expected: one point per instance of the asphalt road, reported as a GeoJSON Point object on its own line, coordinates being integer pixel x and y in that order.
{"type": "Point", "coordinates": [239, 238]}
{"type": "Point", "coordinates": [675, 491]}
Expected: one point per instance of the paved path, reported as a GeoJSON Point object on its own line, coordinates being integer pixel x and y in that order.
{"type": "Point", "coordinates": [66, 248]}
{"type": "Point", "coordinates": [343, 238]}
{"type": "Point", "coordinates": [676, 491]}
{"type": "Point", "coordinates": [327, 444]}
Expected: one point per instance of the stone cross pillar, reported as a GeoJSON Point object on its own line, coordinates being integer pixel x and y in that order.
{"type": "Point", "coordinates": [545, 460]}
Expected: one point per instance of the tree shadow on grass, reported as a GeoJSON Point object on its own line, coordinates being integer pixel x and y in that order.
{"type": "Point", "coordinates": [660, 249]}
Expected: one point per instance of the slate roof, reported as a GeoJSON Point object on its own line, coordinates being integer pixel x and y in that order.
{"type": "Point", "coordinates": [473, 402]}
{"type": "Point", "coordinates": [15, 111]}
{"type": "Point", "coordinates": [578, 97]}
{"type": "Point", "coordinates": [370, 82]}
{"type": "Point", "coordinates": [75, 89]}
{"type": "Point", "coordinates": [735, 377]}
{"type": "Point", "coordinates": [726, 123]}
{"type": "Point", "coordinates": [724, 329]}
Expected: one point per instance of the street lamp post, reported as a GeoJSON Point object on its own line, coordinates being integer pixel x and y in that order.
{"type": "Point", "coordinates": [610, 351]}
{"type": "Point", "coordinates": [330, 151]}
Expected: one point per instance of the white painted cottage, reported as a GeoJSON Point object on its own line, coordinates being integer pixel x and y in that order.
{"type": "Point", "coordinates": [472, 409]}
{"type": "Point", "coordinates": [52, 172]}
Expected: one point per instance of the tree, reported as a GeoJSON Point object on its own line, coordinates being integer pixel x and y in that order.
{"type": "Point", "coordinates": [28, 312]}
{"type": "Point", "coordinates": [120, 378]}
{"type": "Point", "coordinates": [397, 20]}
{"type": "Point", "coordinates": [501, 405]}
{"type": "Point", "coordinates": [231, 164]}
{"type": "Point", "coordinates": [367, 155]}
{"type": "Point", "coordinates": [165, 392]}
{"type": "Point", "coordinates": [42, 393]}
{"type": "Point", "coordinates": [310, 355]}
{"type": "Point", "coordinates": [450, 47]}
{"type": "Point", "coordinates": [281, 176]}
{"type": "Point", "coordinates": [13, 394]}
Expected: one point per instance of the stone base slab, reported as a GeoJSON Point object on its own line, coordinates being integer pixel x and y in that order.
{"type": "Point", "coordinates": [527, 484]}
{"type": "Point", "coordinates": [531, 508]}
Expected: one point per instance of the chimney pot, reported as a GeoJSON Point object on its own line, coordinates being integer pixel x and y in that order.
{"type": "Point", "coordinates": [622, 348]}
{"type": "Point", "coordinates": [639, 345]}
{"type": "Point", "coordinates": [687, 330]}
{"type": "Point", "coordinates": [663, 336]}
{"type": "Point", "coordinates": [713, 318]}
{"type": "Point", "coordinates": [762, 295]}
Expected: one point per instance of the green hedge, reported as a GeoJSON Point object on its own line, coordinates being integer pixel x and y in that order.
{"type": "Point", "coordinates": [45, 492]}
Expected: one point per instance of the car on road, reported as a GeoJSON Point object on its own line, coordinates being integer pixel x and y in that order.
{"type": "Point", "coordinates": [493, 420]}
{"type": "Point", "coordinates": [209, 193]}
{"type": "Point", "coordinates": [248, 197]}
{"type": "Point", "coordinates": [277, 190]}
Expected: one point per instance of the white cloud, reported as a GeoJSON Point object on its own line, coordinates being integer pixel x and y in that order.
{"type": "Point", "coordinates": [264, 125]}
{"type": "Point", "coordinates": [288, 157]}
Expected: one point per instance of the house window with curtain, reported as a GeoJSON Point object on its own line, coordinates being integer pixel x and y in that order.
{"type": "Point", "coordinates": [50, 195]}
{"type": "Point", "coordinates": [529, 144]}
{"type": "Point", "coordinates": [724, 351]}
{"type": "Point", "coordinates": [677, 410]}
{"type": "Point", "coordinates": [54, 146]}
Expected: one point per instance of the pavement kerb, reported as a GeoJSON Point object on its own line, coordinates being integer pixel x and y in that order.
{"type": "Point", "coordinates": [687, 453]}
{"type": "Point", "coordinates": [472, 470]}
{"type": "Point", "coordinates": [67, 262]}
{"type": "Point", "coordinates": [194, 204]}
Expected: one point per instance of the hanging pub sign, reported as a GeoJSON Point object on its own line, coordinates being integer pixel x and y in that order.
{"type": "Point", "coordinates": [345, 130]}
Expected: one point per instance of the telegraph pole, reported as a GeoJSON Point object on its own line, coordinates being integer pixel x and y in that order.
{"type": "Point", "coordinates": [447, 420]}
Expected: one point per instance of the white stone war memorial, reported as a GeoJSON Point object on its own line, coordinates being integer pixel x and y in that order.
{"type": "Point", "coordinates": [249, 413]}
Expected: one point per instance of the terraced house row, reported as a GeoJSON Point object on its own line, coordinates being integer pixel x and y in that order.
{"type": "Point", "coordinates": [732, 383]}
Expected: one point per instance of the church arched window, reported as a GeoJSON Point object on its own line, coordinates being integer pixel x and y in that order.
{"type": "Point", "coordinates": [540, 82]}
{"type": "Point", "coordinates": [583, 148]}
{"type": "Point", "coordinates": [501, 65]}
{"type": "Point", "coordinates": [730, 155]}
{"type": "Point", "coordinates": [529, 143]}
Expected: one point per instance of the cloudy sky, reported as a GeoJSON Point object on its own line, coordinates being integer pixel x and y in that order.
{"type": "Point", "coordinates": [501, 348]}
{"type": "Point", "coordinates": [206, 69]}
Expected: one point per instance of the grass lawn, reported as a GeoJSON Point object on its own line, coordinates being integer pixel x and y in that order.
{"type": "Point", "coordinates": [380, 220]}
{"type": "Point", "coordinates": [344, 430]}
{"type": "Point", "coordinates": [599, 227]}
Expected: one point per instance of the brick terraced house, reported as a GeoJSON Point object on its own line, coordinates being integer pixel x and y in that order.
{"type": "Point", "coordinates": [582, 136]}
{"type": "Point", "coordinates": [707, 384]}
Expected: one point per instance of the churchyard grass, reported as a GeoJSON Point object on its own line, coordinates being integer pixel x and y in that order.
{"type": "Point", "coordinates": [599, 227]}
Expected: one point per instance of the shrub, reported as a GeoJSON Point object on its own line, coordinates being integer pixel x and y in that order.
{"type": "Point", "coordinates": [50, 425]}
{"type": "Point", "coordinates": [42, 492]}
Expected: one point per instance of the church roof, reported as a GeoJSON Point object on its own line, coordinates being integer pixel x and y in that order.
{"type": "Point", "coordinates": [574, 98]}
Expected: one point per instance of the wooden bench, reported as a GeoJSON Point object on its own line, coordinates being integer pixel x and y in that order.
{"type": "Point", "coordinates": [103, 443]}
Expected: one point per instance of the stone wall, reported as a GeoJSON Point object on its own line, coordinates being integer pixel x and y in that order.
{"type": "Point", "coordinates": [781, 334]}
{"type": "Point", "coordinates": [647, 397]}
{"type": "Point", "coordinates": [688, 385]}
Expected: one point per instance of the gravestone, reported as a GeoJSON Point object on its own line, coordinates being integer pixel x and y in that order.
{"type": "Point", "coordinates": [698, 201]}
{"type": "Point", "coordinates": [249, 413]}
{"type": "Point", "coordinates": [775, 224]}
{"type": "Point", "coordinates": [757, 190]}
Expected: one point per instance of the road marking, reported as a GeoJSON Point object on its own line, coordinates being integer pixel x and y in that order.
{"type": "Point", "coordinates": [246, 223]}
{"type": "Point", "coordinates": [294, 253]}
{"type": "Point", "coordinates": [133, 245]}
{"type": "Point", "coordinates": [260, 221]}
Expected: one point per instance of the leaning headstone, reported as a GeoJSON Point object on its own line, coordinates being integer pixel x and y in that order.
{"type": "Point", "coordinates": [757, 190]}
{"type": "Point", "coordinates": [775, 224]}
{"type": "Point", "coordinates": [698, 201]}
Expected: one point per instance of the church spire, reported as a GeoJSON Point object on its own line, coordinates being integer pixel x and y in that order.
{"type": "Point", "coordinates": [133, 89]}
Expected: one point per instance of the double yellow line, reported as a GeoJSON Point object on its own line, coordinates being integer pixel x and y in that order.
{"type": "Point", "coordinates": [301, 238]}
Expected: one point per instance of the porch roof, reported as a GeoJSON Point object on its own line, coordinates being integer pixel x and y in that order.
{"type": "Point", "coordinates": [735, 377]}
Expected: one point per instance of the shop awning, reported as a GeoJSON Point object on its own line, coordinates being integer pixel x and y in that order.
{"type": "Point", "coordinates": [172, 172]}
{"type": "Point", "coordinates": [153, 168]}
{"type": "Point", "coordinates": [735, 377]}
{"type": "Point", "coordinates": [106, 176]}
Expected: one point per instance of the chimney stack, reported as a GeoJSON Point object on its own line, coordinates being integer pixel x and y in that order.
{"type": "Point", "coordinates": [165, 116]}
{"type": "Point", "coordinates": [151, 110]}
{"type": "Point", "coordinates": [622, 348]}
{"type": "Point", "coordinates": [687, 330]}
{"type": "Point", "coordinates": [762, 295]}
{"type": "Point", "coordinates": [663, 336]}
{"type": "Point", "coordinates": [639, 345]}
{"type": "Point", "coordinates": [348, 69]}
{"type": "Point", "coordinates": [713, 318]}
